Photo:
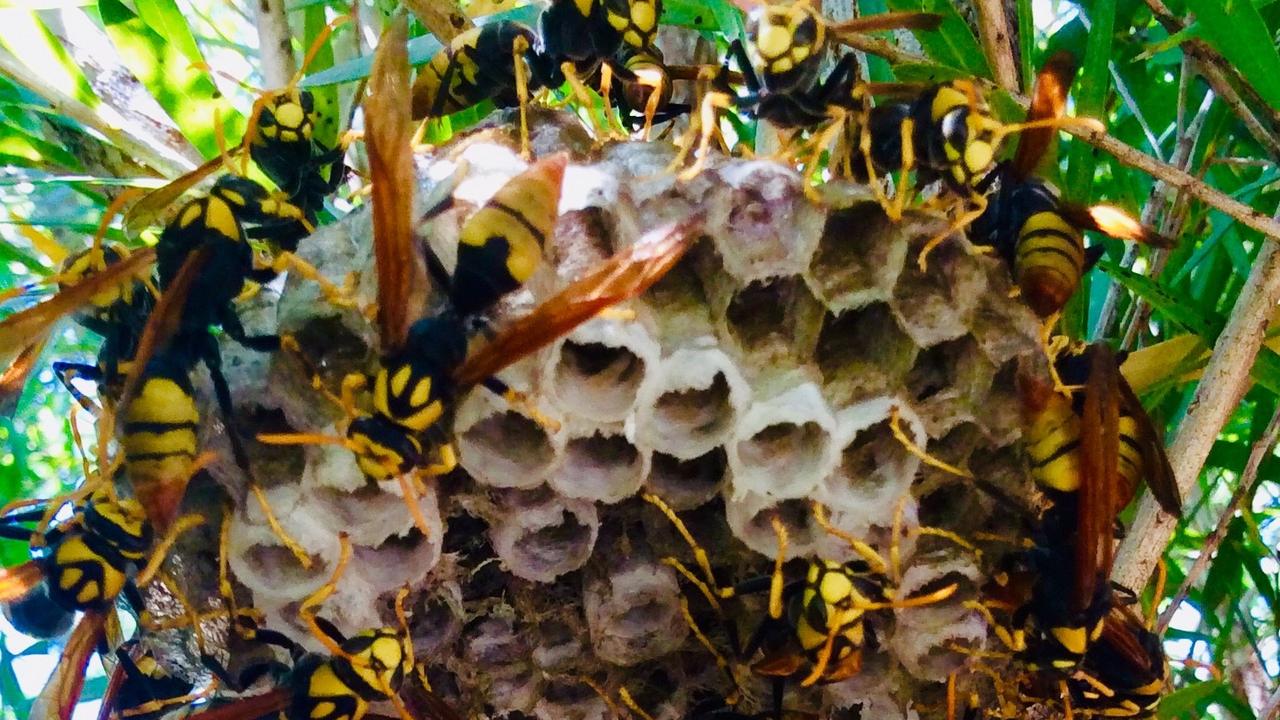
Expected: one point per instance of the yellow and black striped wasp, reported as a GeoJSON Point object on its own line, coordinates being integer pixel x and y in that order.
{"type": "Point", "coordinates": [590, 32]}
{"type": "Point", "coordinates": [1124, 672]}
{"type": "Point", "coordinates": [1038, 233]}
{"type": "Point", "coordinates": [339, 684]}
{"type": "Point", "coordinates": [426, 363]}
{"type": "Point", "coordinates": [815, 630]}
{"type": "Point", "coordinates": [788, 44]}
{"type": "Point", "coordinates": [1087, 454]}
{"type": "Point", "coordinates": [84, 564]}
{"type": "Point", "coordinates": [140, 688]}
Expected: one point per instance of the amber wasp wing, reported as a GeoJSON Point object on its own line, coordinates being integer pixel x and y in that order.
{"type": "Point", "coordinates": [1100, 486]}
{"type": "Point", "coordinates": [1048, 102]}
{"type": "Point", "coordinates": [388, 138]}
{"type": "Point", "coordinates": [623, 276]}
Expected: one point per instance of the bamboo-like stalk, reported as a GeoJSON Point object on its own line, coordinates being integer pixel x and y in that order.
{"type": "Point", "coordinates": [1244, 490]}
{"type": "Point", "coordinates": [1225, 381]}
{"type": "Point", "coordinates": [164, 161]}
{"type": "Point", "coordinates": [993, 27]}
{"type": "Point", "coordinates": [275, 43]}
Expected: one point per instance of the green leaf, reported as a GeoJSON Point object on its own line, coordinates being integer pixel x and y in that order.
{"type": "Point", "coordinates": [705, 15]}
{"type": "Point", "coordinates": [927, 73]}
{"type": "Point", "coordinates": [953, 43]}
{"type": "Point", "coordinates": [166, 20]}
{"type": "Point", "coordinates": [1091, 95]}
{"type": "Point", "coordinates": [328, 110]}
{"type": "Point", "coordinates": [1186, 702]}
{"type": "Point", "coordinates": [1162, 300]}
{"type": "Point", "coordinates": [1235, 29]}
{"type": "Point", "coordinates": [25, 35]}
{"type": "Point", "coordinates": [187, 94]}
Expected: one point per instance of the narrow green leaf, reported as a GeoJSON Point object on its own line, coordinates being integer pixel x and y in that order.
{"type": "Point", "coordinates": [953, 43]}
{"type": "Point", "coordinates": [1091, 95]}
{"type": "Point", "coordinates": [1235, 29]}
{"type": "Point", "coordinates": [1173, 308]}
{"type": "Point", "coordinates": [1186, 702]}
{"type": "Point", "coordinates": [25, 35]}
{"type": "Point", "coordinates": [927, 73]}
{"type": "Point", "coordinates": [329, 126]}
{"type": "Point", "coordinates": [187, 94]}
{"type": "Point", "coordinates": [715, 15]}
{"type": "Point", "coordinates": [1026, 39]}
{"type": "Point", "coordinates": [166, 20]}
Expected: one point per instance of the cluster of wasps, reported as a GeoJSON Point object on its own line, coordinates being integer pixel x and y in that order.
{"type": "Point", "coordinates": [1091, 445]}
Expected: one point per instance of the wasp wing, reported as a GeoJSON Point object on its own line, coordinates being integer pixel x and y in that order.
{"type": "Point", "coordinates": [255, 706]}
{"type": "Point", "coordinates": [1155, 463]}
{"type": "Point", "coordinates": [1048, 102]}
{"type": "Point", "coordinates": [621, 277]}
{"type": "Point", "coordinates": [14, 378]}
{"type": "Point", "coordinates": [23, 335]}
{"type": "Point", "coordinates": [1099, 488]}
{"type": "Point", "coordinates": [1113, 222]}
{"type": "Point", "coordinates": [19, 580]}
{"type": "Point", "coordinates": [388, 136]}
{"type": "Point", "coordinates": [58, 699]}
{"type": "Point", "coordinates": [152, 206]}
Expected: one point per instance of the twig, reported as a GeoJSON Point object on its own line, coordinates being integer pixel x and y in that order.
{"type": "Point", "coordinates": [993, 26]}
{"type": "Point", "coordinates": [443, 18]}
{"type": "Point", "coordinates": [1225, 380]}
{"type": "Point", "coordinates": [275, 42]}
{"type": "Point", "coordinates": [1215, 69]}
{"type": "Point", "coordinates": [1271, 711]}
{"type": "Point", "coordinates": [1245, 489]}
{"type": "Point", "coordinates": [160, 159]}
{"type": "Point", "coordinates": [1159, 201]}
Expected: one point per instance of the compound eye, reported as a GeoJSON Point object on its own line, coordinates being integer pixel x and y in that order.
{"type": "Point", "coordinates": [954, 128]}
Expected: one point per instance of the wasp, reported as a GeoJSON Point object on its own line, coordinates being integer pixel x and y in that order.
{"type": "Point", "coordinates": [1124, 672]}
{"type": "Point", "coordinates": [426, 363]}
{"type": "Point", "coordinates": [140, 688]}
{"type": "Point", "coordinates": [340, 683]}
{"type": "Point", "coordinates": [1039, 234]}
{"type": "Point", "coordinates": [1087, 454]}
{"type": "Point", "coordinates": [589, 32]}
{"type": "Point", "coordinates": [787, 46]}
{"type": "Point", "coordinates": [83, 565]}
{"type": "Point", "coordinates": [815, 630]}
{"type": "Point", "coordinates": [499, 61]}
{"type": "Point", "coordinates": [645, 96]}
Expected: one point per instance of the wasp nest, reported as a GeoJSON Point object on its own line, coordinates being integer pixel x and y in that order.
{"type": "Point", "coordinates": [762, 374]}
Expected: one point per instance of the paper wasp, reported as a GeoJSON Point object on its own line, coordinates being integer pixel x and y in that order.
{"type": "Point", "coordinates": [104, 551]}
{"type": "Point", "coordinates": [1124, 673]}
{"type": "Point", "coordinates": [814, 632]}
{"type": "Point", "coordinates": [1087, 455]}
{"type": "Point", "coordinates": [340, 683]}
{"type": "Point", "coordinates": [1036, 232]}
{"type": "Point", "coordinates": [425, 362]}
{"type": "Point", "coordinates": [140, 688]}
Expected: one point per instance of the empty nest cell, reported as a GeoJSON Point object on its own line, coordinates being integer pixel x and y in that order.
{"type": "Point", "coordinates": [500, 446]}
{"type": "Point", "coordinates": [783, 446]}
{"type": "Point", "coordinates": [686, 484]}
{"type": "Point", "coordinates": [540, 535]}
{"type": "Point", "coordinates": [597, 371]}
{"type": "Point", "coordinates": [692, 404]}
{"type": "Point", "coordinates": [765, 225]}
{"type": "Point", "coordinates": [633, 611]}
{"type": "Point", "coordinates": [600, 464]}
{"type": "Point", "coordinates": [863, 353]}
{"type": "Point", "coordinates": [774, 320]}
{"type": "Point", "coordinates": [859, 258]}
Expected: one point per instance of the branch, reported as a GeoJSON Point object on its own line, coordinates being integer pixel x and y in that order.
{"type": "Point", "coordinates": [275, 43]}
{"type": "Point", "coordinates": [443, 18]}
{"type": "Point", "coordinates": [1225, 381]}
{"type": "Point", "coordinates": [993, 26]}
{"type": "Point", "coordinates": [1244, 490]}
{"type": "Point", "coordinates": [162, 160]}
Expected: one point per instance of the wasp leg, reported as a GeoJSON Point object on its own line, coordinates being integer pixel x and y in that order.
{"type": "Point", "coordinates": [911, 447]}
{"type": "Point", "coordinates": [521, 401]}
{"type": "Point", "coordinates": [343, 297]}
{"type": "Point", "coordinates": [67, 372]}
{"type": "Point", "coordinates": [321, 629]}
{"type": "Point", "coordinates": [965, 219]}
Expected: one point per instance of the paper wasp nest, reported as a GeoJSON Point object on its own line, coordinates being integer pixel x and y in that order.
{"type": "Point", "coordinates": [761, 374]}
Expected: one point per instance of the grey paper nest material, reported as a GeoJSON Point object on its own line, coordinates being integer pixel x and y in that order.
{"type": "Point", "coordinates": [760, 375]}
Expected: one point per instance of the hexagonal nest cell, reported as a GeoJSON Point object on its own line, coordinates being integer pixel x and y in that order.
{"type": "Point", "coordinates": [763, 376]}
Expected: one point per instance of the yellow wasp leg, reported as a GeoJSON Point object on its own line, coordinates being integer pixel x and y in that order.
{"type": "Point", "coordinates": [868, 553]}
{"type": "Point", "coordinates": [519, 47]}
{"type": "Point", "coordinates": [304, 559]}
{"type": "Point", "coordinates": [307, 611]}
{"type": "Point", "coordinates": [161, 548]}
{"type": "Point", "coordinates": [966, 218]}
{"type": "Point", "coordinates": [896, 428]}
{"type": "Point", "coordinates": [340, 296]}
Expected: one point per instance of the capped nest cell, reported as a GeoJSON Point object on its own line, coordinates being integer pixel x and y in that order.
{"type": "Point", "coordinates": [775, 366]}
